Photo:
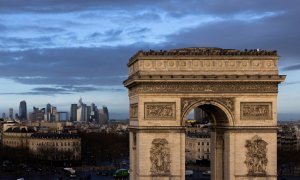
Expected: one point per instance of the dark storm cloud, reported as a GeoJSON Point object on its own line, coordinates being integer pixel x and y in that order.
{"type": "Point", "coordinates": [292, 67]}
{"type": "Point", "coordinates": [277, 32]}
{"type": "Point", "coordinates": [174, 7]}
{"type": "Point", "coordinates": [230, 7]}
{"type": "Point", "coordinates": [139, 31]}
{"type": "Point", "coordinates": [26, 42]}
{"type": "Point", "coordinates": [56, 90]}
{"type": "Point", "coordinates": [73, 89]}
{"type": "Point", "coordinates": [67, 66]}
{"type": "Point", "coordinates": [2, 28]}
{"type": "Point", "coordinates": [107, 65]}
{"type": "Point", "coordinates": [63, 6]}
{"type": "Point", "coordinates": [287, 83]}
{"type": "Point", "coordinates": [31, 28]}
{"type": "Point", "coordinates": [109, 35]}
{"type": "Point", "coordinates": [35, 93]}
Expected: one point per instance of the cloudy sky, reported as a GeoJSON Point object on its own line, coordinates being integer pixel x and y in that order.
{"type": "Point", "coordinates": [56, 51]}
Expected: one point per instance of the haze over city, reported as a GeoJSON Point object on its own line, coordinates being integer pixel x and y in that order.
{"type": "Point", "coordinates": [59, 51]}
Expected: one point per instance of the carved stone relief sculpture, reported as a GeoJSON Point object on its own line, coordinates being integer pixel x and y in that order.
{"type": "Point", "coordinates": [160, 157]}
{"type": "Point", "coordinates": [133, 110]}
{"type": "Point", "coordinates": [160, 110]}
{"type": "Point", "coordinates": [256, 110]}
{"type": "Point", "coordinates": [256, 156]}
{"type": "Point", "coordinates": [203, 88]}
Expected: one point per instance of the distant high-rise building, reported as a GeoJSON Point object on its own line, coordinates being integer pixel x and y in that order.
{"type": "Point", "coordinates": [48, 108]}
{"type": "Point", "coordinates": [11, 113]}
{"type": "Point", "coordinates": [200, 115]}
{"type": "Point", "coordinates": [23, 111]}
{"type": "Point", "coordinates": [53, 110]}
{"type": "Point", "coordinates": [62, 116]}
{"type": "Point", "coordinates": [37, 114]}
{"type": "Point", "coordinates": [105, 110]}
{"type": "Point", "coordinates": [81, 111]}
{"type": "Point", "coordinates": [94, 114]}
{"type": "Point", "coordinates": [104, 117]}
{"type": "Point", "coordinates": [73, 116]}
{"type": "Point", "coordinates": [53, 114]}
{"type": "Point", "coordinates": [88, 112]}
{"type": "Point", "coordinates": [3, 116]}
{"type": "Point", "coordinates": [48, 112]}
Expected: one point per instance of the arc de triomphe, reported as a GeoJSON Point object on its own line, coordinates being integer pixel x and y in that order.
{"type": "Point", "coordinates": [237, 89]}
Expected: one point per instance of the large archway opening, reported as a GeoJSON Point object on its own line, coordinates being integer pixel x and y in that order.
{"type": "Point", "coordinates": [204, 151]}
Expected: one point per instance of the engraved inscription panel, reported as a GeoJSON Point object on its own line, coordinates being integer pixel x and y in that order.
{"type": "Point", "coordinates": [160, 110]}
{"type": "Point", "coordinates": [133, 110]}
{"type": "Point", "coordinates": [256, 110]}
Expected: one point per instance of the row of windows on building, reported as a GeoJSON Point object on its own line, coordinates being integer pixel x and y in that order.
{"type": "Point", "coordinates": [199, 144]}
{"type": "Point", "coordinates": [207, 150]}
{"type": "Point", "coordinates": [13, 142]}
{"type": "Point", "coordinates": [203, 143]}
{"type": "Point", "coordinates": [203, 157]}
{"type": "Point", "coordinates": [56, 143]}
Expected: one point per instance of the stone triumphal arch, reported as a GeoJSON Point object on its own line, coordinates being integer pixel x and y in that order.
{"type": "Point", "coordinates": [237, 89]}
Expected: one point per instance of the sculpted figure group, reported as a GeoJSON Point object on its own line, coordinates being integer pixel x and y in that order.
{"type": "Point", "coordinates": [256, 157]}
{"type": "Point", "coordinates": [160, 157]}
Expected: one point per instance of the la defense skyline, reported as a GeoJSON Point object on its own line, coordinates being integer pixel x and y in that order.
{"type": "Point", "coordinates": [80, 112]}
{"type": "Point", "coordinates": [23, 110]}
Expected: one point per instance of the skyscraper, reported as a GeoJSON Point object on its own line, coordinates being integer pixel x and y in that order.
{"type": "Point", "coordinates": [53, 113]}
{"type": "Point", "coordinates": [62, 116]}
{"type": "Point", "coordinates": [48, 108]}
{"type": "Point", "coordinates": [200, 116]}
{"type": "Point", "coordinates": [104, 117]}
{"type": "Point", "coordinates": [48, 112]}
{"type": "Point", "coordinates": [37, 114]}
{"type": "Point", "coordinates": [81, 111]}
{"type": "Point", "coordinates": [11, 113]}
{"type": "Point", "coordinates": [88, 112]}
{"type": "Point", "coordinates": [105, 110]}
{"type": "Point", "coordinates": [23, 111]}
{"type": "Point", "coordinates": [73, 112]}
{"type": "Point", "coordinates": [94, 115]}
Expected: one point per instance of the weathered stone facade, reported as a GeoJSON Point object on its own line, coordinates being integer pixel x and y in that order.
{"type": "Point", "coordinates": [237, 89]}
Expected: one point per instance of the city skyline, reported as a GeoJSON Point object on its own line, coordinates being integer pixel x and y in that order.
{"type": "Point", "coordinates": [58, 51]}
{"type": "Point", "coordinates": [34, 113]}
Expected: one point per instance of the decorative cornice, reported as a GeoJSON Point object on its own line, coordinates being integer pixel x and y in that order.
{"type": "Point", "coordinates": [198, 51]}
{"type": "Point", "coordinates": [245, 128]}
{"type": "Point", "coordinates": [157, 129]}
{"type": "Point", "coordinates": [203, 87]}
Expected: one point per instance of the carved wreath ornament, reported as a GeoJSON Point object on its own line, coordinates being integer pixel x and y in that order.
{"type": "Point", "coordinates": [256, 157]}
{"type": "Point", "coordinates": [160, 157]}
